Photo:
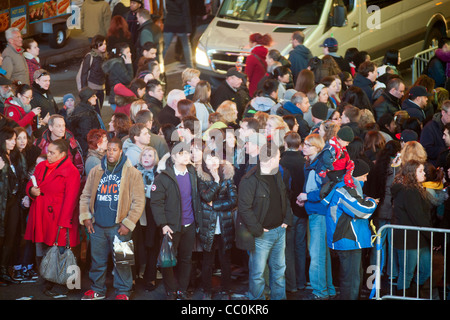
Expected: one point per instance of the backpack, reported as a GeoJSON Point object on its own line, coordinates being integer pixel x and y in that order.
{"type": "Point", "coordinates": [78, 77]}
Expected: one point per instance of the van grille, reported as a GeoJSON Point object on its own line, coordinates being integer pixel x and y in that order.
{"type": "Point", "coordinates": [221, 61]}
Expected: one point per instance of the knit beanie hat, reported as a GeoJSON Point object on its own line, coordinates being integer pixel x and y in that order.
{"type": "Point", "coordinates": [319, 110]}
{"type": "Point", "coordinates": [346, 134]}
{"type": "Point", "coordinates": [86, 93]}
{"type": "Point", "coordinates": [68, 96]}
{"type": "Point", "coordinates": [361, 168]}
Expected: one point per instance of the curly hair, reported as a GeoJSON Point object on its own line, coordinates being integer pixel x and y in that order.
{"type": "Point", "coordinates": [94, 137]}
{"type": "Point", "coordinates": [122, 123]}
{"type": "Point", "coordinates": [408, 176]}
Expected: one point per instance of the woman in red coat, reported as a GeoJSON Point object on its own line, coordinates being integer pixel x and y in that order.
{"type": "Point", "coordinates": [18, 107]}
{"type": "Point", "coordinates": [54, 198]}
{"type": "Point", "coordinates": [256, 65]}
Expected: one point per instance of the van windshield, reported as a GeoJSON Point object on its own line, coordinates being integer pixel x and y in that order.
{"type": "Point", "coordinates": [304, 12]}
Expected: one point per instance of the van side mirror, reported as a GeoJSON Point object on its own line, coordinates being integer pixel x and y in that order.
{"type": "Point", "coordinates": [338, 16]}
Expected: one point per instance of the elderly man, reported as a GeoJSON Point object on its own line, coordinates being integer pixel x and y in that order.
{"type": "Point", "coordinates": [231, 89]}
{"type": "Point", "coordinates": [14, 62]}
{"type": "Point", "coordinates": [167, 114]}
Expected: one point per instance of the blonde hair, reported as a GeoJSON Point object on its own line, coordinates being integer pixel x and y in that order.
{"type": "Point", "coordinates": [155, 155]}
{"type": "Point", "coordinates": [227, 111]}
{"type": "Point", "coordinates": [135, 107]}
{"type": "Point", "coordinates": [188, 74]}
{"type": "Point", "coordinates": [366, 117]}
{"type": "Point", "coordinates": [315, 140]}
{"type": "Point", "coordinates": [278, 122]}
{"type": "Point", "coordinates": [413, 150]}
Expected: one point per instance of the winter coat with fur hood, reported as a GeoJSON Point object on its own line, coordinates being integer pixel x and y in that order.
{"type": "Point", "coordinates": [218, 201]}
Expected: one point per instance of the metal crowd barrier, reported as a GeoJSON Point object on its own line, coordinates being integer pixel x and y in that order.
{"type": "Point", "coordinates": [420, 61]}
{"type": "Point", "coordinates": [401, 294]}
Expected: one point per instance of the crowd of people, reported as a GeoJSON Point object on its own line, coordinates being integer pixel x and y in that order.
{"type": "Point", "coordinates": [278, 171]}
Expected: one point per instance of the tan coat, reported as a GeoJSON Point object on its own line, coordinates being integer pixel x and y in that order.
{"type": "Point", "coordinates": [95, 18]}
{"type": "Point", "coordinates": [15, 65]}
{"type": "Point", "coordinates": [131, 196]}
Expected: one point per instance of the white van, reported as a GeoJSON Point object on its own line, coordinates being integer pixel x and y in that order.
{"type": "Point", "coordinates": [373, 25]}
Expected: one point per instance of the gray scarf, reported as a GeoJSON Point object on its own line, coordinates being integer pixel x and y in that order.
{"type": "Point", "coordinates": [26, 107]}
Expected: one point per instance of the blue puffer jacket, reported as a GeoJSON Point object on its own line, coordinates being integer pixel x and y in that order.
{"type": "Point", "coordinates": [312, 186]}
{"type": "Point", "coordinates": [347, 218]}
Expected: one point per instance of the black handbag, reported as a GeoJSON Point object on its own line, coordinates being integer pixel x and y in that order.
{"type": "Point", "coordinates": [55, 264]}
{"type": "Point", "coordinates": [166, 257]}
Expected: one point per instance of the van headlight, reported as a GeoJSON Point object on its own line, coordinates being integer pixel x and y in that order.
{"type": "Point", "coordinates": [201, 58]}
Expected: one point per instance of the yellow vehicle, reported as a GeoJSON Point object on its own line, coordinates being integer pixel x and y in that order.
{"type": "Point", "coordinates": [33, 17]}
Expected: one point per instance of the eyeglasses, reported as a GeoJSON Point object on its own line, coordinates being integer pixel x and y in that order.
{"type": "Point", "coordinates": [27, 97]}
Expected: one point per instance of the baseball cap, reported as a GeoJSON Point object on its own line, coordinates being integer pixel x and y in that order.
{"type": "Point", "coordinates": [408, 135]}
{"type": "Point", "coordinates": [234, 72]}
{"type": "Point", "coordinates": [329, 42]}
{"type": "Point", "coordinates": [419, 91]}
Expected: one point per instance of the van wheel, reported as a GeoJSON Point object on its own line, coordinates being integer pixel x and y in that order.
{"type": "Point", "coordinates": [433, 38]}
{"type": "Point", "coordinates": [58, 38]}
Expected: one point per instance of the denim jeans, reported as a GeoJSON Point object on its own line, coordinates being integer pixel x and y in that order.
{"type": "Point", "coordinates": [101, 247]}
{"type": "Point", "coordinates": [269, 249]}
{"type": "Point", "coordinates": [296, 254]}
{"type": "Point", "coordinates": [407, 274]}
{"type": "Point", "coordinates": [388, 258]}
{"type": "Point", "coordinates": [185, 42]}
{"type": "Point", "coordinates": [320, 272]}
{"type": "Point", "coordinates": [350, 273]}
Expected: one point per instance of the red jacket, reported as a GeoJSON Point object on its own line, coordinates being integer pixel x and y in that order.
{"type": "Point", "coordinates": [56, 206]}
{"type": "Point", "coordinates": [17, 113]}
{"type": "Point", "coordinates": [255, 68]}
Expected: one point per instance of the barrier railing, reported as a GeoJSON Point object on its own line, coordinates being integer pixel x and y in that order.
{"type": "Point", "coordinates": [403, 294]}
{"type": "Point", "coordinates": [420, 61]}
